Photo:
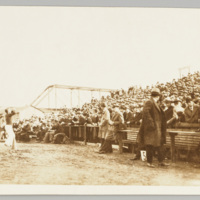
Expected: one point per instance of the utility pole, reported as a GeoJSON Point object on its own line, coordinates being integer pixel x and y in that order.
{"type": "Point", "coordinates": [79, 99]}
{"type": "Point", "coordinates": [183, 68]}
{"type": "Point", "coordinates": [55, 97]}
{"type": "Point", "coordinates": [71, 98]}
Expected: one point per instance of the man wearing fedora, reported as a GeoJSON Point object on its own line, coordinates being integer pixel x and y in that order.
{"type": "Point", "coordinates": [104, 124]}
{"type": "Point", "coordinates": [152, 131]}
{"type": "Point", "coordinates": [192, 113]}
{"type": "Point", "coordinates": [170, 113]}
{"type": "Point", "coordinates": [128, 116]}
{"type": "Point", "coordinates": [115, 124]}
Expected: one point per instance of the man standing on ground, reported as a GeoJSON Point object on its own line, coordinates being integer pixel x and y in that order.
{"type": "Point", "coordinates": [10, 141]}
{"type": "Point", "coordinates": [116, 124]}
{"type": "Point", "coordinates": [153, 128]}
{"type": "Point", "coordinates": [117, 121]}
{"type": "Point", "coordinates": [104, 123]}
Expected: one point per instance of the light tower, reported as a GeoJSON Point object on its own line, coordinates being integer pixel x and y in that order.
{"type": "Point", "coordinates": [183, 68]}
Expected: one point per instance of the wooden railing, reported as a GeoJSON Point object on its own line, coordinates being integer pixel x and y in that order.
{"type": "Point", "coordinates": [80, 129]}
{"type": "Point", "coordinates": [182, 136]}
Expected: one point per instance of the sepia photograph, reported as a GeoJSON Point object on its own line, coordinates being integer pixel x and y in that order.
{"type": "Point", "coordinates": [99, 96]}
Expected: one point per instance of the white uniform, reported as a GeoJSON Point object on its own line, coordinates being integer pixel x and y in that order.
{"type": "Point", "coordinates": [10, 141]}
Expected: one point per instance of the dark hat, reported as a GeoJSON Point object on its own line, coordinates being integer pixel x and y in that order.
{"type": "Point", "coordinates": [115, 105]}
{"type": "Point", "coordinates": [177, 100]}
{"type": "Point", "coordinates": [167, 99]}
{"type": "Point", "coordinates": [188, 99]}
{"type": "Point", "coordinates": [126, 107]}
{"type": "Point", "coordinates": [103, 104]}
{"type": "Point", "coordinates": [155, 91]}
{"type": "Point", "coordinates": [85, 113]}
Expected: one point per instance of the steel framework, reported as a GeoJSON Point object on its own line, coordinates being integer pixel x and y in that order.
{"type": "Point", "coordinates": [183, 68]}
{"type": "Point", "coordinates": [54, 88]}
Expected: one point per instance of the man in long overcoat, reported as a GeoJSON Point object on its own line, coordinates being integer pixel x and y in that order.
{"type": "Point", "coordinates": [152, 131]}
{"type": "Point", "coordinates": [104, 123]}
{"type": "Point", "coordinates": [115, 124]}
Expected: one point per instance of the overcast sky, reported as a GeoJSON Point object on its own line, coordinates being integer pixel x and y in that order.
{"type": "Point", "coordinates": [98, 47]}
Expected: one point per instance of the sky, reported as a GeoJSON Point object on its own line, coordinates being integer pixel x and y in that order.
{"type": "Point", "coordinates": [98, 47]}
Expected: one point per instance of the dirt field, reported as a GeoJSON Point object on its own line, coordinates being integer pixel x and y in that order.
{"type": "Point", "coordinates": [75, 164]}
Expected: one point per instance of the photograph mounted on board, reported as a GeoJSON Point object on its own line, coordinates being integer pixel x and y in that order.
{"type": "Point", "coordinates": [99, 96]}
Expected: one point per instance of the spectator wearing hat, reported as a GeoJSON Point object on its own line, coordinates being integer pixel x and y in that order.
{"type": "Point", "coordinates": [89, 130]}
{"type": "Point", "coordinates": [95, 117]}
{"type": "Point", "coordinates": [104, 123]}
{"type": "Point", "coordinates": [42, 132]}
{"type": "Point", "coordinates": [192, 113]}
{"type": "Point", "coordinates": [177, 105]}
{"type": "Point", "coordinates": [178, 108]}
{"type": "Point", "coordinates": [74, 123]}
{"type": "Point", "coordinates": [128, 116]}
{"type": "Point", "coordinates": [54, 130]}
{"type": "Point", "coordinates": [25, 132]}
{"type": "Point", "coordinates": [152, 131]}
{"type": "Point", "coordinates": [116, 124]}
{"type": "Point", "coordinates": [138, 116]}
{"type": "Point", "coordinates": [95, 122]}
{"type": "Point", "coordinates": [60, 137]}
{"type": "Point", "coordinates": [81, 122]}
{"type": "Point", "coordinates": [17, 129]}
{"type": "Point", "coordinates": [170, 113]}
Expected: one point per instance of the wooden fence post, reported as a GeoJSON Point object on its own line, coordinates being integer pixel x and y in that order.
{"type": "Point", "coordinates": [85, 135]}
{"type": "Point", "coordinates": [70, 133]}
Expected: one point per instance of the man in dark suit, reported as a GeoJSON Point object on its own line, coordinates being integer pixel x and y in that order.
{"type": "Point", "coordinates": [128, 116]}
{"type": "Point", "coordinates": [116, 124]}
{"type": "Point", "coordinates": [95, 117]}
{"type": "Point", "coordinates": [192, 113]}
{"type": "Point", "coordinates": [152, 131]}
{"type": "Point", "coordinates": [170, 113]}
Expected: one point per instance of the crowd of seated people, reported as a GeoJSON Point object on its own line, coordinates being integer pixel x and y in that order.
{"type": "Point", "coordinates": [54, 127]}
{"type": "Point", "coordinates": [180, 100]}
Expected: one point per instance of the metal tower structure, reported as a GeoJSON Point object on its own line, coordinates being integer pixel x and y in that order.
{"type": "Point", "coordinates": [53, 89]}
{"type": "Point", "coordinates": [183, 68]}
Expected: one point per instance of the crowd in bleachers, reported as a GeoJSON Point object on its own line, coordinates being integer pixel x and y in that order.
{"type": "Point", "coordinates": [180, 99]}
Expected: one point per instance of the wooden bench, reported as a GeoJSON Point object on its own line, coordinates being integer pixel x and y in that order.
{"type": "Point", "coordinates": [84, 137]}
{"type": "Point", "coordinates": [94, 132]}
{"type": "Point", "coordinates": [186, 137]}
{"type": "Point", "coordinates": [131, 138]}
{"type": "Point", "coordinates": [183, 140]}
{"type": "Point", "coordinates": [183, 137]}
{"type": "Point", "coordinates": [77, 127]}
{"type": "Point", "coordinates": [32, 136]}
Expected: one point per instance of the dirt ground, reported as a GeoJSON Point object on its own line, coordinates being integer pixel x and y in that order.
{"type": "Point", "coordinates": [76, 164]}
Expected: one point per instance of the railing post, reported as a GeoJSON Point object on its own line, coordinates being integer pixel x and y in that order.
{"type": "Point", "coordinates": [79, 131]}
{"type": "Point", "coordinates": [71, 98]}
{"type": "Point", "coordinates": [120, 142]}
{"type": "Point", "coordinates": [85, 135]}
{"type": "Point", "coordinates": [70, 133]}
{"type": "Point", "coordinates": [48, 99]}
{"type": "Point", "coordinates": [79, 99]}
{"type": "Point", "coordinates": [94, 132]}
